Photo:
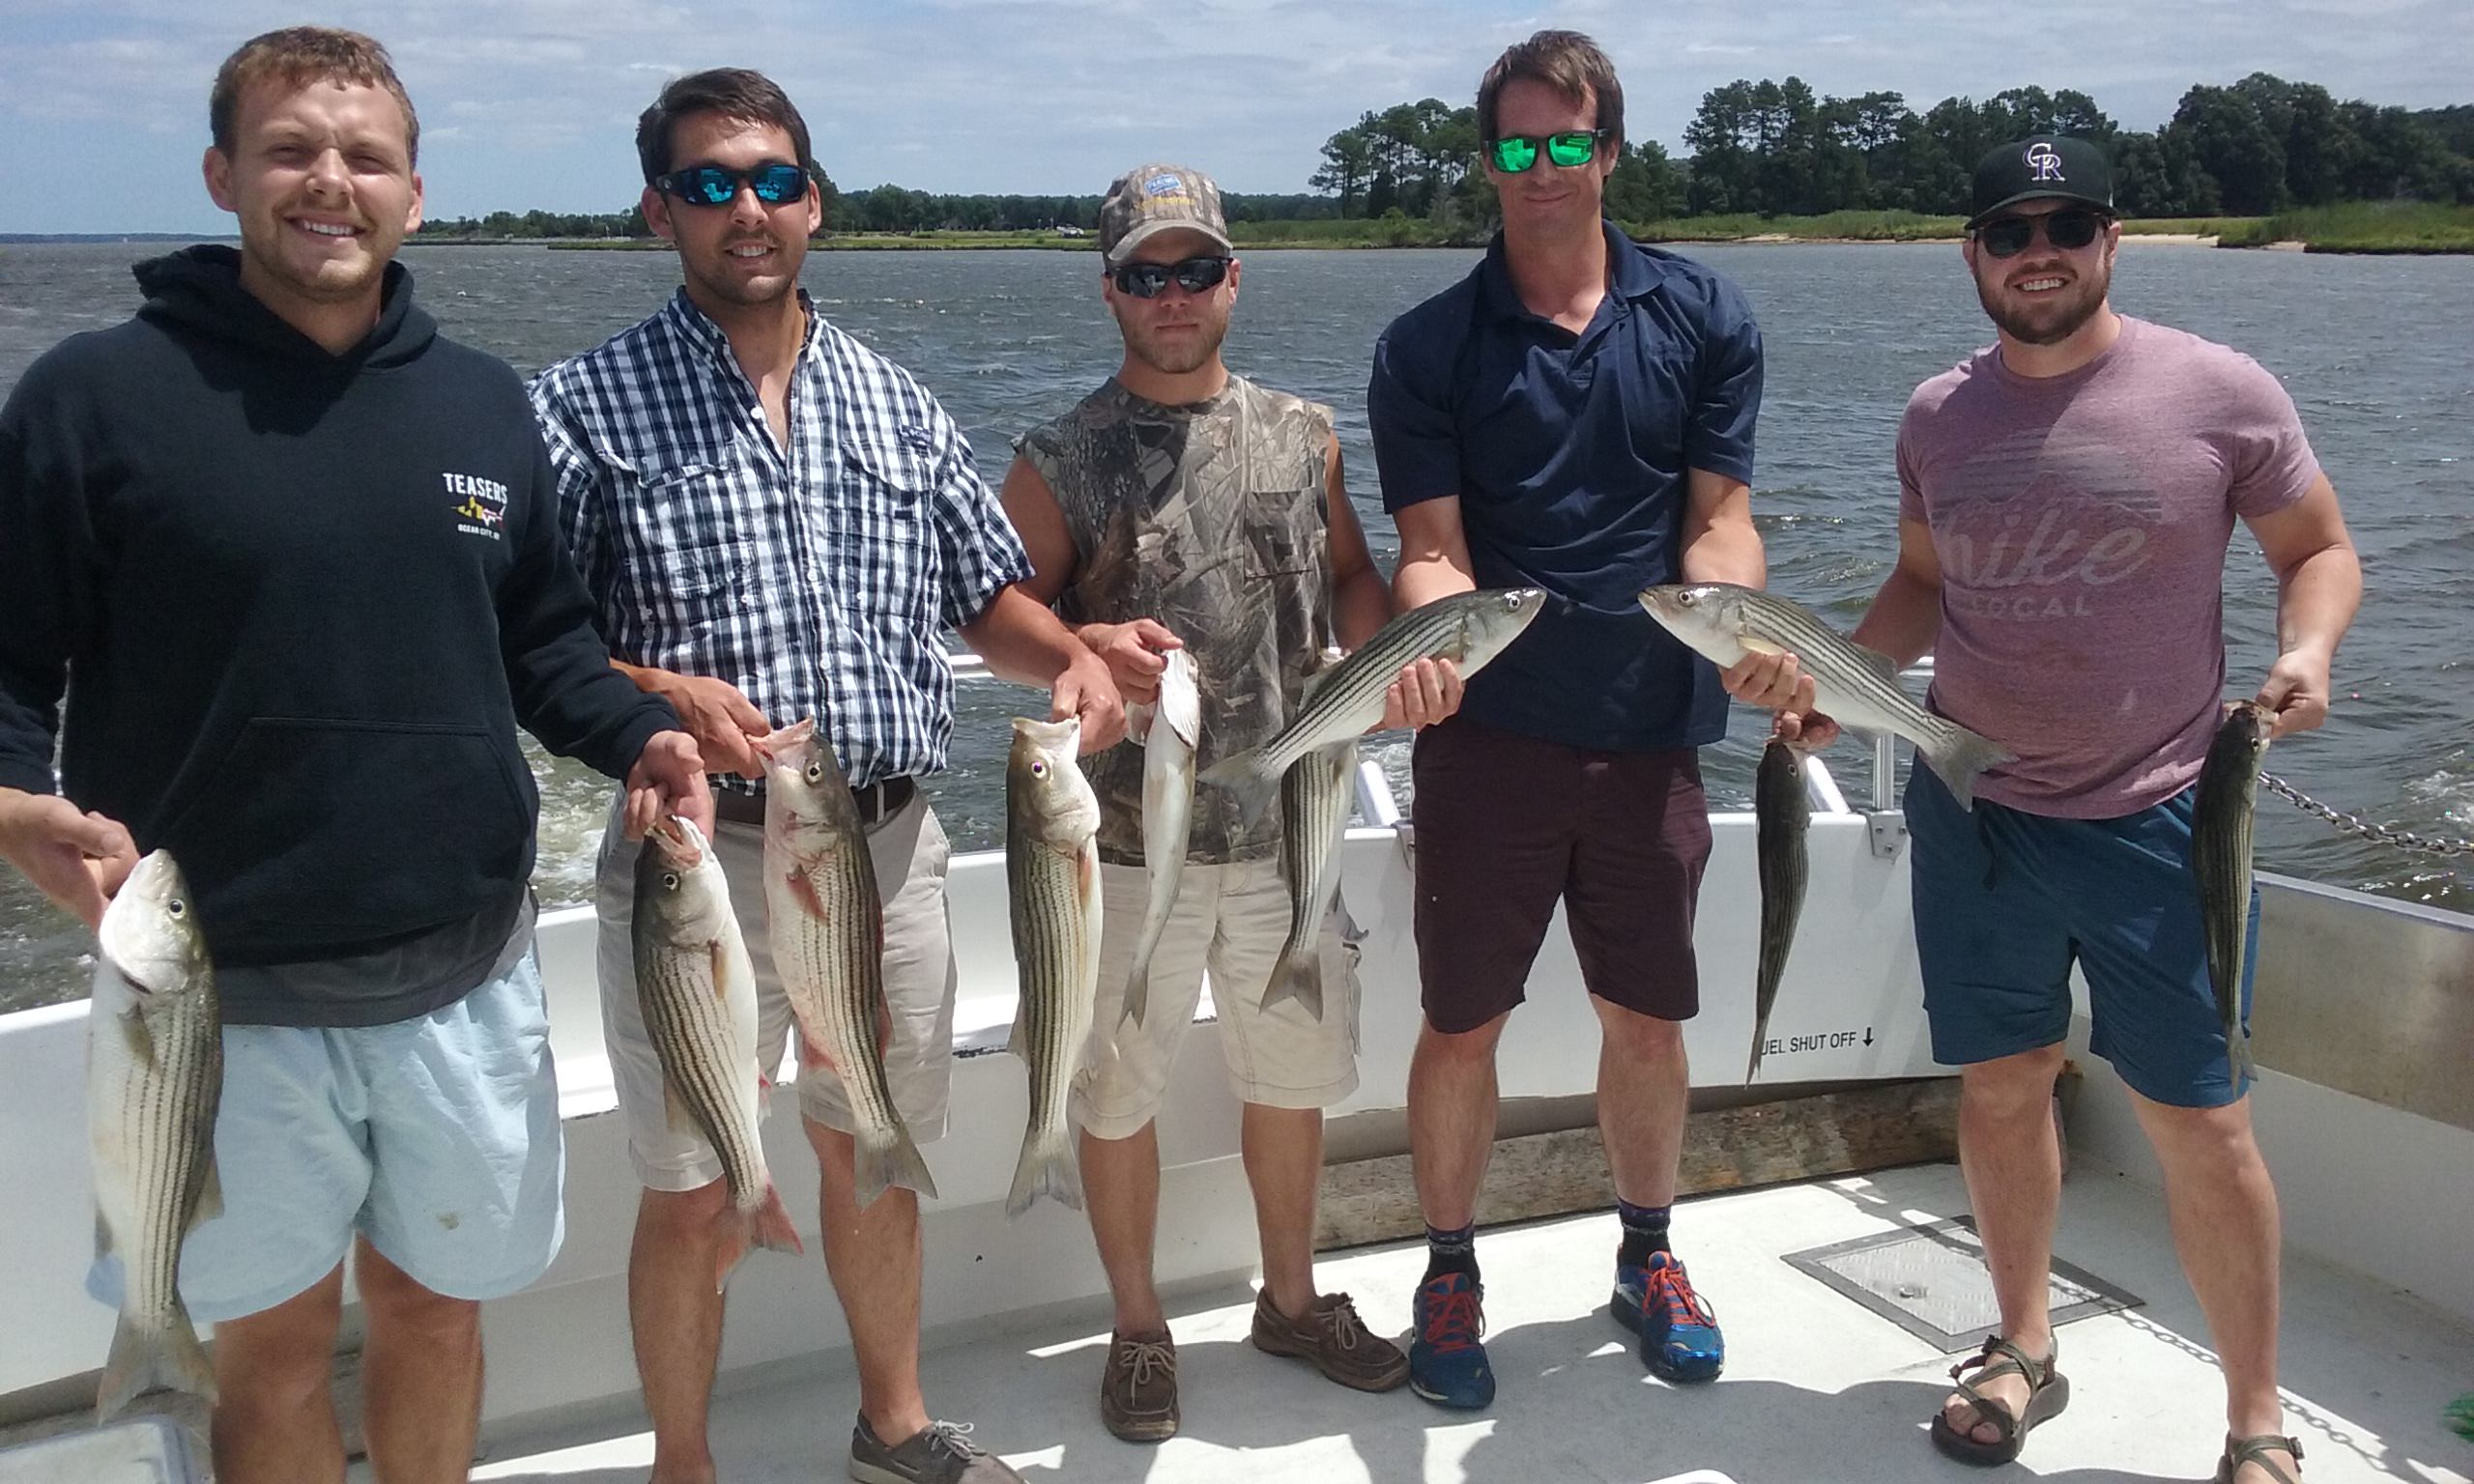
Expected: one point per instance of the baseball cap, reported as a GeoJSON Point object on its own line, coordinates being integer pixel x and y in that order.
{"type": "Point", "coordinates": [1151, 199]}
{"type": "Point", "coordinates": [2040, 167]}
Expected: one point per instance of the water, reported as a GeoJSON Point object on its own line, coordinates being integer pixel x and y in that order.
{"type": "Point", "coordinates": [1006, 339]}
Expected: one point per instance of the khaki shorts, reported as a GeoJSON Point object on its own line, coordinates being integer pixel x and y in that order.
{"type": "Point", "coordinates": [910, 854]}
{"type": "Point", "coordinates": [1229, 920]}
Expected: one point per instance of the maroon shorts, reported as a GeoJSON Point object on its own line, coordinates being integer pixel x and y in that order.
{"type": "Point", "coordinates": [1508, 825]}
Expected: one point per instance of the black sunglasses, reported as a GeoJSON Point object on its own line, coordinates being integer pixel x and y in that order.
{"type": "Point", "coordinates": [712, 186]}
{"type": "Point", "coordinates": [2007, 237]}
{"type": "Point", "coordinates": [1195, 275]}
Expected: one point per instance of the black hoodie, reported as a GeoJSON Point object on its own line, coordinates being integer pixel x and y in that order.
{"type": "Point", "coordinates": [300, 601]}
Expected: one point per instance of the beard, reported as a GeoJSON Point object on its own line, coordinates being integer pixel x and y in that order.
{"type": "Point", "coordinates": [2049, 319]}
{"type": "Point", "coordinates": [1175, 357]}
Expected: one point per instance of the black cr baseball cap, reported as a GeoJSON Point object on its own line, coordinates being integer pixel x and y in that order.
{"type": "Point", "coordinates": [2041, 167]}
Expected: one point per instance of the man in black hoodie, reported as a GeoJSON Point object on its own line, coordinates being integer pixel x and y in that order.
{"type": "Point", "coordinates": [293, 560]}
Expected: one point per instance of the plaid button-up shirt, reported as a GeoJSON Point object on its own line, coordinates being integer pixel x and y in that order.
{"type": "Point", "coordinates": [814, 577]}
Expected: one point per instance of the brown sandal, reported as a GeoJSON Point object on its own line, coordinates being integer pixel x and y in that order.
{"type": "Point", "coordinates": [2048, 1393]}
{"type": "Point", "coordinates": [2253, 1450]}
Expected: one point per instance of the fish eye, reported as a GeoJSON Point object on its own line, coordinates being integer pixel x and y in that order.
{"type": "Point", "coordinates": [1039, 769]}
{"type": "Point", "coordinates": [176, 907]}
{"type": "Point", "coordinates": [815, 772]}
{"type": "Point", "coordinates": [670, 880]}
{"type": "Point", "coordinates": [1687, 599]}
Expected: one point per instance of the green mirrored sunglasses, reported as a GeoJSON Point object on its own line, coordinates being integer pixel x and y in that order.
{"type": "Point", "coordinates": [1514, 152]}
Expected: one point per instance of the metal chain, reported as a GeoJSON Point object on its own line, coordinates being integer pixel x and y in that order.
{"type": "Point", "coordinates": [2355, 824]}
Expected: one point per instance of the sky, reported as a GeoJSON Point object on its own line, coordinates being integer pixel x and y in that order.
{"type": "Point", "coordinates": [532, 103]}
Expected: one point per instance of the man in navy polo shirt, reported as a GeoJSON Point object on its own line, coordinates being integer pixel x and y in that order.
{"type": "Point", "coordinates": [1575, 414]}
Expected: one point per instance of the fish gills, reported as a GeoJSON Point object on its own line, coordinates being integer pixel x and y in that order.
{"type": "Point", "coordinates": [1782, 810]}
{"type": "Point", "coordinates": [826, 920]}
{"type": "Point", "coordinates": [697, 991]}
{"type": "Point", "coordinates": [1167, 812]}
{"type": "Point", "coordinates": [1052, 890]}
{"type": "Point", "coordinates": [155, 1077]}
{"type": "Point", "coordinates": [1314, 801]}
{"type": "Point", "coordinates": [1467, 628]}
{"type": "Point", "coordinates": [1853, 685]}
{"type": "Point", "coordinates": [2221, 816]}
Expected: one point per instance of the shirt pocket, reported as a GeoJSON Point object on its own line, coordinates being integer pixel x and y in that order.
{"type": "Point", "coordinates": [1282, 529]}
{"type": "Point", "coordinates": [692, 566]}
{"type": "Point", "coordinates": [884, 534]}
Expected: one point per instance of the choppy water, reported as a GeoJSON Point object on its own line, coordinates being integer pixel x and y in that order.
{"type": "Point", "coordinates": [2378, 353]}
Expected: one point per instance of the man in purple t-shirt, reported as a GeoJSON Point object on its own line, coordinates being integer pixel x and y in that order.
{"type": "Point", "coordinates": [2066, 498]}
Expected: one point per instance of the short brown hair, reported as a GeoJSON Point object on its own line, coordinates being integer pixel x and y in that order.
{"type": "Point", "coordinates": [732, 92]}
{"type": "Point", "coordinates": [298, 56]}
{"type": "Point", "coordinates": [1566, 61]}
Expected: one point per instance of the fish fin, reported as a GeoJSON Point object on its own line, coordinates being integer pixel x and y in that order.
{"type": "Point", "coordinates": [813, 1055]}
{"type": "Point", "coordinates": [209, 1194]}
{"type": "Point", "coordinates": [1244, 778]}
{"type": "Point", "coordinates": [1048, 1167]}
{"type": "Point", "coordinates": [140, 1040]}
{"type": "Point", "coordinates": [141, 1362]}
{"type": "Point", "coordinates": [894, 1160]}
{"type": "Point", "coordinates": [105, 1247]}
{"type": "Point", "coordinates": [1019, 1040]}
{"type": "Point", "coordinates": [1755, 644]}
{"type": "Point", "coordinates": [1137, 992]}
{"type": "Point", "coordinates": [675, 1112]}
{"type": "Point", "coordinates": [1878, 662]}
{"type": "Point", "coordinates": [1957, 759]}
{"type": "Point", "coordinates": [1297, 976]}
{"type": "Point", "coordinates": [803, 892]}
{"type": "Point", "coordinates": [1181, 698]}
{"type": "Point", "coordinates": [769, 1226]}
{"type": "Point", "coordinates": [732, 1229]}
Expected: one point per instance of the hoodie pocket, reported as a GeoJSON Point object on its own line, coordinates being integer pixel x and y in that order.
{"type": "Point", "coordinates": [319, 832]}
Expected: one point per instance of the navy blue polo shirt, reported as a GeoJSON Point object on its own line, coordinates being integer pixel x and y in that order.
{"type": "Point", "coordinates": [1568, 453]}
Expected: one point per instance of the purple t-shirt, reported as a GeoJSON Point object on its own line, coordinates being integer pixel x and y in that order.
{"type": "Point", "coordinates": [2081, 523]}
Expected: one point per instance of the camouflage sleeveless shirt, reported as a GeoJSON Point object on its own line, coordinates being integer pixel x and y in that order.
{"type": "Point", "coordinates": [1211, 519]}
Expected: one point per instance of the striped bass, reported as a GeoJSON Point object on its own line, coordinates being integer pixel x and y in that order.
{"type": "Point", "coordinates": [1467, 628]}
{"type": "Point", "coordinates": [1781, 809]}
{"type": "Point", "coordinates": [1052, 890]}
{"type": "Point", "coordinates": [698, 990]}
{"type": "Point", "coordinates": [1854, 686]}
{"type": "Point", "coordinates": [1168, 810]}
{"type": "Point", "coordinates": [1315, 799]}
{"type": "Point", "coordinates": [2221, 863]}
{"type": "Point", "coordinates": [827, 921]}
{"type": "Point", "coordinates": [154, 1078]}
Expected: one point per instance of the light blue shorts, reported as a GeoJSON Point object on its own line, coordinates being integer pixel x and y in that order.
{"type": "Point", "coordinates": [436, 1137]}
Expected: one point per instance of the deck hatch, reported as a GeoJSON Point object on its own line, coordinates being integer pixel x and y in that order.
{"type": "Point", "coordinates": [1931, 1282]}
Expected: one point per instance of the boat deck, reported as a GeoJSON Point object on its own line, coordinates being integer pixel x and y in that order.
{"type": "Point", "coordinates": [1817, 1387]}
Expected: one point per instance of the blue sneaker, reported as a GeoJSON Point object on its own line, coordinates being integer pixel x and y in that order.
{"type": "Point", "coordinates": [1446, 1365]}
{"type": "Point", "coordinates": [1678, 1330]}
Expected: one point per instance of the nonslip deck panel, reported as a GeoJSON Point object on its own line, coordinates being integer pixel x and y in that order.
{"type": "Point", "coordinates": [1931, 1282]}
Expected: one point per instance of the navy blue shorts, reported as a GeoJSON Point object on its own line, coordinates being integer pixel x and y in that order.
{"type": "Point", "coordinates": [2007, 900]}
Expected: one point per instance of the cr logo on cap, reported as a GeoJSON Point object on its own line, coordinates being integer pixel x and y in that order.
{"type": "Point", "coordinates": [2044, 161]}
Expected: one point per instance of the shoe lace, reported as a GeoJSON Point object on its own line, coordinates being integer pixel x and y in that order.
{"type": "Point", "coordinates": [1147, 1359]}
{"type": "Point", "coordinates": [953, 1437]}
{"type": "Point", "coordinates": [1668, 1286]}
{"type": "Point", "coordinates": [1341, 1321]}
{"type": "Point", "coordinates": [1453, 1319]}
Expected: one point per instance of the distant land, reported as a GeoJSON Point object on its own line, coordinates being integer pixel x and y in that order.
{"type": "Point", "coordinates": [22, 237]}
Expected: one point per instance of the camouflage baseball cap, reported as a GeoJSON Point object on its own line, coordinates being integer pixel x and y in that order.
{"type": "Point", "coordinates": [1150, 199]}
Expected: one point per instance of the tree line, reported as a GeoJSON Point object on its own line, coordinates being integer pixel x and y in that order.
{"type": "Point", "coordinates": [2253, 147]}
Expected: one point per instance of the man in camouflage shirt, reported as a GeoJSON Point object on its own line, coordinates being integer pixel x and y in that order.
{"type": "Point", "coordinates": [1179, 507]}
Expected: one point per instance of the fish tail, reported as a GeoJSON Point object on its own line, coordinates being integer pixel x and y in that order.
{"type": "Point", "coordinates": [1246, 778]}
{"type": "Point", "coordinates": [769, 1225]}
{"type": "Point", "coordinates": [2245, 1070]}
{"type": "Point", "coordinates": [144, 1361]}
{"type": "Point", "coordinates": [1297, 976]}
{"type": "Point", "coordinates": [1959, 757]}
{"type": "Point", "coordinates": [1753, 1069]}
{"type": "Point", "coordinates": [1047, 1168]}
{"type": "Point", "coordinates": [888, 1159]}
{"type": "Point", "coordinates": [733, 1230]}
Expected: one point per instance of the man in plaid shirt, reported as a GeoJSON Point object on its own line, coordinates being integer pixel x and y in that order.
{"type": "Point", "coordinates": [775, 523]}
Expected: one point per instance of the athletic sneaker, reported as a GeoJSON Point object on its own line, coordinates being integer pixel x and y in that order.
{"type": "Point", "coordinates": [940, 1453]}
{"type": "Point", "coordinates": [1446, 1365]}
{"type": "Point", "coordinates": [1678, 1330]}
